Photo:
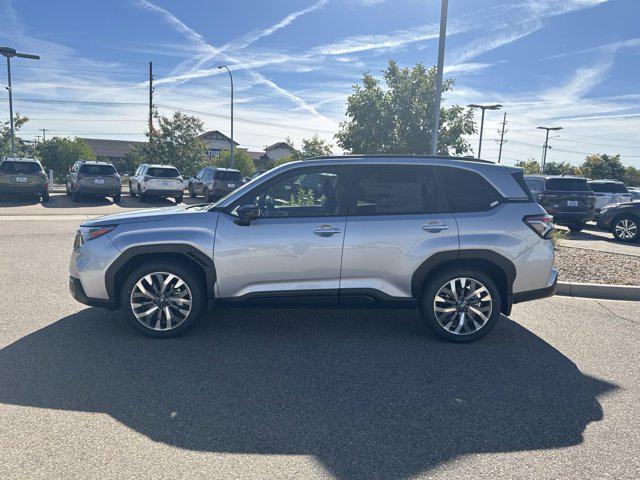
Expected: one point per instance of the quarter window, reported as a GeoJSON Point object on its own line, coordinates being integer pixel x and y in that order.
{"type": "Point", "coordinates": [402, 189]}
{"type": "Point", "coordinates": [468, 191]}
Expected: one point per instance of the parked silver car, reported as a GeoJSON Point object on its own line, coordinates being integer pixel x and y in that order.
{"type": "Point", "coordinates": [609, 192]}
{"type": "Point", "coordinates": [156, 180]}
{"type": "Point", "coordinates": [93, 178]}
{"type": "Point", "coordinates": [460, 239]}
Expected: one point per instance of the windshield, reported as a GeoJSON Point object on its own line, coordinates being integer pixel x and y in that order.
{"type": "Point", "coordinates": [97, 170]}
{"type": "Point", "coordinates": [568, 185]}
{"type": "Point", "coordinates": [608, 187]}
{"type": "Point", "coordinates": [19, 167]}
{"type": "Point", "coordinates": [163, 172]}
{"type": "Point", "coordinates": [227, 175]}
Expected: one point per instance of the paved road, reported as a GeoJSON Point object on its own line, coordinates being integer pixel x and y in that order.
{"type": "Point", "coordinates": [553, 392]}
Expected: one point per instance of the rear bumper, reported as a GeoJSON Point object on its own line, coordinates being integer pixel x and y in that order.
{"type": "Point", "coordinates": [108, 191]}
{"type": "Point", "coordinates": [563, 218]}
{"type": "Point", "coordinates": [164, 192]}
{"type": "Point", "coordinates": [548, 291]}
{"type": "Point", "coordinates": [77, 292]}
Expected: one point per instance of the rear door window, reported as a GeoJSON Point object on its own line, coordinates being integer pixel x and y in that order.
{"type": "Point", "coordinates": [229, 176]}
{"type": "Point", "coordinates": [19, 167]}
{"type": "Point", "coordinates": [536, 185]}
{"type": "Point", "coordinates": [397, 190]}
{"type": "Point", "coordinates": [468, 191]}
{"type": "Point", "coordinates": [163, 172]}
{"type": "Point", "coordinates": [102, 170]}
{"type": "Point", "coordinates": [568, 185]}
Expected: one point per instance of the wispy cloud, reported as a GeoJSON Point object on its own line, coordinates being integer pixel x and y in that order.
{"type": "Point", "coordinates": [582, 82]}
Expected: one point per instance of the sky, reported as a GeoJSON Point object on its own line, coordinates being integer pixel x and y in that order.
{"type": "Point", "coordinates": [568, 63]}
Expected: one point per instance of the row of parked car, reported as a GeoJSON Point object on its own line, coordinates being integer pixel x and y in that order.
{"type": "Point", "coordinates": [574, 201]}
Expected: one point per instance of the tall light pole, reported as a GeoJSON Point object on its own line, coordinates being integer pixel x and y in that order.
{"type": "Point", "coordinates": [438, 93]}
{"type": "Point", "coordinates": [546, 145]}
{"type": "Point", "coordinates": [495, 106]}
{"type": "Point", "coordinates": [11, 52]}
{"type": "Point", "coordinates": [231, 79]}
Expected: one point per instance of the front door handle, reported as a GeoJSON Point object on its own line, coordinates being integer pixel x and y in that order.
{"type": "Point", "coordinates": [434, 227]}
{"type": "Point", "coordinates": [326, 230]}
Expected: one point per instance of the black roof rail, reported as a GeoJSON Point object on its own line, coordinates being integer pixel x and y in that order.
{"type": "Point", "coordinates": [402, 155]}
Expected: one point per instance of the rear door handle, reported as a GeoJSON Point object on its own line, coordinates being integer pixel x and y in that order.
{"type": "Point", "coordinates": [326, 230]}
{"type": "Point", "coordinates": [434, 227]}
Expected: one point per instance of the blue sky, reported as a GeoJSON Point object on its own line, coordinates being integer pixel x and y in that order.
{"type": "Point", "coordinates": [570, 63]}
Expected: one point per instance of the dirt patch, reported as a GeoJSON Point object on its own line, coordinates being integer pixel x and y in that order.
{"type": "Point", "coordinates": [589, 266]}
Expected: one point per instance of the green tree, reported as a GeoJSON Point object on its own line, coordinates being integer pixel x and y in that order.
{"type": "Point", "coordinates": [399, 118]}
{"type": "Point", "coordinates": [241, 161]}
{"type": "Point", "coordinates": [632, 176]}
{"type": "Point", "coordinates": [560, 168]}
{"type": "Point", "coordinates": [530, 166]}
{"type": "Point", "coordinates": [315, 147]}
{"type": "Point", "coordinates": [603, 166]}
{"type": "Point", "coordinates": [175, 141]}
{"type": "Point", "coordinates": [59, 153]}
{"type": "Point", "coordinates": [22, 149]}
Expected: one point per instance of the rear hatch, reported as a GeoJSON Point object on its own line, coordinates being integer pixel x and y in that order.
{"type": "Point", "coordinates": [97, 176]}
{"type": "Point", "coordinates": [227, 180]}
{"type": "Point", "coordinates": [568, 195]}
{"type": "Point", "coordinates": [610, 192]}
{"type": "Point", "coordinates": [163, 178]}
{"type": "Point", "coordinates": [21, 174]}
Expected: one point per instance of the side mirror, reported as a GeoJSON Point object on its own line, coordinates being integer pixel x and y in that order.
{"type": "Point", "coordinates": [247, 214]}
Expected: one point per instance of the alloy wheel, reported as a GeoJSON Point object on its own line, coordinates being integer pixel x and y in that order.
{"type": "Point", "coordinates": [626, 229]}
{"type": "Point", "coordinates": [463, 306]}
{"type": "Point", "coordinates": [161, 301]}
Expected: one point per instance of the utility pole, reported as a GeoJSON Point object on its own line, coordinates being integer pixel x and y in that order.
{"type": "Point", "coordinates": [438, 93]}
{"type": "Point", "coordinates": [545, 147]}
{"type": "Point", "coordinates": [44, 133]}
{"type": "Point", "coordinates": [150, 99]}
{"type": "Point", "coordinates": [8, 53]}
{"type": "Point", "coordinates": [232, 162]}
{"type": "Point", "coordinates": [37, 139]}
{"type": "Point", "coordinates": [495, 106]}
{"type": "Point", "coordinates": [502, 132]}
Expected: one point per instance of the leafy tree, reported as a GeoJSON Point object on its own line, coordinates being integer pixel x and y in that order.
{"type": "Point", "coordinates": [59, 153]}
{"type": "Point", "coordinates": [241, 161]}
{"type": "Point", "coordinates": [530, 166]}
{"type": "Point", "coordinates": [561, 168]}
{"type": "Point", "coordinates": [399, 118]}
{"type": "Point", "coordinates": [22, 149]}
{"type": "Point", "coordinates": [603, 166]}
{"type": "Point", "coordinates": [315, 147]}
{"type": "Point", "coordinates": [175, 141]}
{"type": "Point", "coordinates": [632, 176]}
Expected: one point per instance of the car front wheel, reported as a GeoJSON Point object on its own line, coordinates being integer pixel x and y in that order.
{"type": "Point", "coordinates": [163, 298]}
{"type": "Point", "coordinates": [625, 228]}
{"type": "Point", "coordinates": [460, 305]}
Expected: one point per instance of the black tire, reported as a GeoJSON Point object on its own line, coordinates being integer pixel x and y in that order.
{"type": "Point", "coordinates": [192, 192]}
{"type": "Point", "coordinates": [45, 197]}
{"type": "Point", "coordinates": [190, 278]}
{"type": "Point", "coordinates": [142, 197]}
{"type": "Point", "coordinates": [632, 225]}
{"type": "Point", "coordinates": [66, 188]}
{"type": "Point", "coordinates": [179, 199]}
{"type": "Point", "coordinates": [132, 192]}
{"type": "Point", "coordinates": [75, 197]}
{"type": "Point", "coordinates": [576, 227]}
{"type": "Point", "coordinates": [117, 198]}
{"type": "Point", "coordinates": [428, 298]}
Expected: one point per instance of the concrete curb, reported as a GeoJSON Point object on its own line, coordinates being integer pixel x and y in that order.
{"type": "Point", "coordinates": [592, 290]}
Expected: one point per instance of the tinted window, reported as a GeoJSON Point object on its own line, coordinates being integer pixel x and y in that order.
{"type": "Point", "coordinates": [608, 187]}
{"type": "Point", "coordinates": [535, 184]}
{"type": "Point", "coordinates": [207, 174]}
{"type": "Point", "coordinates": [468, 191]}
{"type": "Point", "coordinates": [396, 190]}
{"type": "Point", "coordinates": [227, 175]}
{"type": "Point", "coordinates": [199, 174]}
{"type": "Point", "coordinates": [309, 194]}
{"type": "Point", "coordinates": [97, 169]}
{"type": "Point", "coordinates": [163, 172]}
{"type": "Point", "coordinates": [568, 185]}
{"type": "Point", "coordinates": [19, 167]}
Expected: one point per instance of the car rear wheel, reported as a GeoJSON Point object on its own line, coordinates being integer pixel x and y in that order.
{"type": "Point", "coordinates": [460, 305]}
{"type": "Point", "coordinates": [132, 192]}
{"type": "Point", "coordinates": [45, 197]}
{"type": "Point", "coordinates": [192, 192]}
{"type": "Point", "coordinates": [75, 197]}
{"type": "Point", "coordinates": [625, 228]}
{"type": "Point", "coordinates": [576, 227]}
{"type": "Point", "coordinates": [163, 298]}
{"type": "Point", "coordinates": [142, 197]}
{"type": "Point", "coordinates": [179, 199]}
{"type": "Point", "coordinates": [117, 198]}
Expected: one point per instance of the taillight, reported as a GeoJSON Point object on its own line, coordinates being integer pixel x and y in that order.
{"type": "Point", "coordinates": [91, 233]}
{"type": "Point", "coordinates": [541, 224]}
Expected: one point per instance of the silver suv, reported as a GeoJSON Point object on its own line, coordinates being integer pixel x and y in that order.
{"type": "Point", "coordinates": [157, 181]}
{"type": "Point", "coordinates": [460, 239]}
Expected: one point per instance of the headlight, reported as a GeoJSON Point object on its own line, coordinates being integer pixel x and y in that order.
{"type": "Point", "coordinates": [91, 233]}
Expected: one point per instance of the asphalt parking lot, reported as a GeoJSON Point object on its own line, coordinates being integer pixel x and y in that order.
{"type": "Point", "coordinates": [553, 392]}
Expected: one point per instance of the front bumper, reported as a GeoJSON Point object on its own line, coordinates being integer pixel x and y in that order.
{"type": "Point", "coordinates": [548, 291]}
{"type": "Point", "coordinates": [77, 292]}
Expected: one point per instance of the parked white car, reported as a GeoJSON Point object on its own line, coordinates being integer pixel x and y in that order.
{"type": "Point", "coordinates": [609, 192]}
{"type": "Point", "coordinates": [158, 181]}
{"type": "Point", "coordinates": [635, 192]}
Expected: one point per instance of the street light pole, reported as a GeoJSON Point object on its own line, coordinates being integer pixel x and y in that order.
{"type": "Point", "coordinates": [8, 53]}
{"type": "Point", "coordinates": [546, 145]}
{"type": "Point", "coordinates": [232, 164]}
{"type": "Point", "coordinates": [495, 106]}
{"type": "Point", "coordinates": [438, 93]}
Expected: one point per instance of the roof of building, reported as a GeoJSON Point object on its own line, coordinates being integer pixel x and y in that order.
{"type": "Point", "coordinates": [279, 145]}
{"type": "Point", "coordinates": [216, 134]}
{"type": "Point", "coordinates": [255, 155]}
{"type": "Point", "coordinates": [110, 148]}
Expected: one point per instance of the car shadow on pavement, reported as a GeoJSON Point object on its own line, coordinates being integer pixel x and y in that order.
{"type": "Point", "coordinates": [127, 202]}
{"type": "Point", "coordinates": [368, 393]}
{"type": "Point", "coordinates": [7, 201]}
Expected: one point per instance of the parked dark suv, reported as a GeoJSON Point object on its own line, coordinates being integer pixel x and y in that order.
{"type": "Point", "coordinates": [23, 176]}
{"type": "Point", "coordinates": [622, 220]}
{"type": "Point", "coordinates": [569, 199]}
{"type": "Point", "coordinates": [214, 182]}
{"type": "Point", "coordinates": [93, 178]}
